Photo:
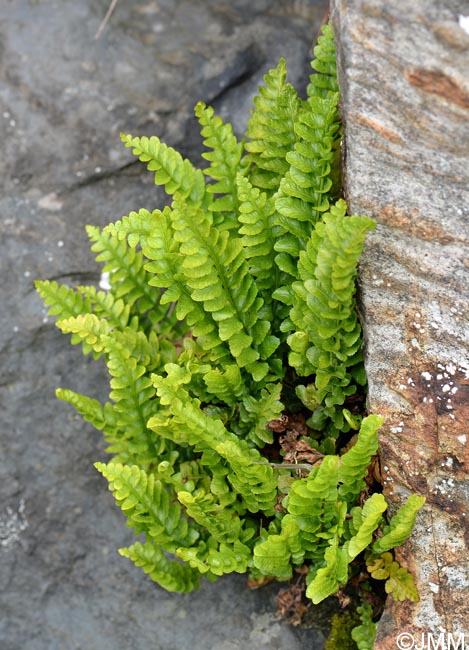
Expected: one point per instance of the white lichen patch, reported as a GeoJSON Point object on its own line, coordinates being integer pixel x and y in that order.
{"type": "Point", "coordinates": [434, 587]}
{"type": "Point", "coordinates": [12, 524]}
{"type": "Point", "coordinates": [50, 202]}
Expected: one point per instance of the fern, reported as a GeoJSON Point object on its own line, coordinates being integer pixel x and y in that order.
{"type": "Point", "coordinates": [225, 163]}
{"type": "Point", "coordinates": [172, 171]}
{"type": "Point", "coordinates": [271, 134]}
{"type": "Point", "coordinates": [400, 525]}
{"type": "Point", "coordinates": [171, 575]}
{"type": "Point", "coordinates": [399, 582]}
{"type": "Point", "coordinates": [364, 634]}
{"type": "Point", "coordinates": [324, 83]}
{"type": "Point", "coordinates": [233, 349]}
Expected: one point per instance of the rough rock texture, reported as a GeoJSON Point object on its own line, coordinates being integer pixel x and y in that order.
{"type": "Point", "coordinates": [64, 97]}
{"type": "Point", "coordinates": [404, 71]}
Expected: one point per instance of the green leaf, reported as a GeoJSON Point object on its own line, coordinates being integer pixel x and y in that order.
{"type": "Point", "coordinates": [400, 526]}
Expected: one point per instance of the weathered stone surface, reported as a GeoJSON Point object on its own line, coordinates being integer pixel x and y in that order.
{"type": "Point", "coordinates": [404, 70]}
{"type": "Point", "coordinates": [64, 97]}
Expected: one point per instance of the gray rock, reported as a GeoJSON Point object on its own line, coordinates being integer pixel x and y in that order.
{"type": "Point", "coordinates": [404, 70]}
{"type": "Point", "coordinates": [64, 97]}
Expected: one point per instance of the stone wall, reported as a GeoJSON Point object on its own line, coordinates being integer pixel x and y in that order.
{"type": "Point", "coordinates": [404, 77]}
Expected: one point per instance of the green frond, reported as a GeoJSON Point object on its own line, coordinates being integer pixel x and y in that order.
{"type": "Point", "coordinates": [90, 409]}
{"type": "Point", "coordinates": [400, 526]}
{"type": "Point", "coordinates": [274, 556]}
{"type": "Point", "coordinates": [104, 305]}
{"type": "Point", "coordinates": [137, 228]}
{"type": "Point", "coordinates": [189, 425]}
{"type": "Point", "coordinates": [226, 385]}
{"type": "Point", "coordinates": [254, 481]}
{"type": "Point", "coordinates": [313, 503]}
{"type": "Point", "coordinates": [127, 276]}
{"type": "Point", "coordinates": [371, 516]}
{"type": "Point", "coordinates": [365, 633]}
{"type": "Point", "coordinates": [225, 163]}
{"type": "Point", "coordinates": [399, 582]}
{"type": "Point", "coordinates": [171, 575]}
{"type": "Point", "coordinates": [131, 359]}
{"type": "Point", "coordinates": [324, 81]}
{"type": "Point", "coordinates": [306, 189]}
{"type": "Point", "coordinates": [329, 578]}
{"type": "Point", "coordinates": [259, 233]}
{"type": "Point", "coordinates": [271, 133]}
{"type": "Point", "coordinates": [63, 301]}
{"type": "Point", "coordinates": [216, 558]}
{"type": "Point", "coordinates": [224, 524]}
{"type": "Point", "coordinates": [216, 272]}
{"type": "Point", "coordinates": [175, 173]}
{"type": "Point", "coordinates": [327, 340]}
{"type": "Point", "coordinates": [256, 413]}
{"type": "Point", "coordinates": [156, 237]}
{"type": "Point", "coordinates": [89, 329]}
{"type": "Point", "coordinates": [148, 506]}
{"type": "Point", "coordinates": [354, 463]}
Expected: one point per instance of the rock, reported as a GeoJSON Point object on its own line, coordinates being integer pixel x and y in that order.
{"type": "Point", "coordinates": [404, 70]}
{"type": "Point", "coordinates": [64, 98]}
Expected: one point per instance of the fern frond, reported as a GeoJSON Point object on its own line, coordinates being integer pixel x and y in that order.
{"type": "Point", "coordinates": [224, 524]}
{"type": "Point", "coordinates": [175, 173]}
{"type": "Point", "coordinates": [105, 305]}
{"type": "Point", "coordinates": [400, 526]}
{"type": "Point", "coordinates": [259, 233]}
{"type": "Point", "coordinates": [313, 503]}
{"type": "Point", "coordinates": [132, 391]}
{"type": "Point", "coordinates": [127, 277]}
{"type": "Point", "coordinates": [305, 190]}
{"type": "Point", "coordinates": [63, 301]}
{"type": "Point", "coordinates": [399, 582]}
{"type": "Point", "coordinates": [226, 385]}
{"type": "Point", "coordinates": [216, 559]}
{"type": "Point", "coordinates": [88, 328]}
{"type": "Point", "coordinates": [327, 341]}
{"type": "Point", "coordinates": [148, 506]}
{"type": "Point", "coordinates": [90, 409]}
{"type": "Point", "coordinates": [365, 633]}
{"type": "Point", "coordinates": [371, 516]}
{"type": "Point", "coordinates": [255, 483]}
{"type": "Point", "coordinates": [171, 575]}
{"type": "Point", "coordinates": [354, 463]}
{"type": "Point", "coordinates": [329, 578]}
{"type": "Point", "coordinates": [137, 228]}
{"type": "Point", "coordinates": [274, 556]}
{"type": "Point", "coordinates": [256, 413]}
{"type": "Point", "coordinates": [217, 274]}
{"type": "Point", "coordinates": [324, 81]}
{"type": "Point", "coordinates": [225, 164]}
{"type": "Point", "coordinates": [271, 133]}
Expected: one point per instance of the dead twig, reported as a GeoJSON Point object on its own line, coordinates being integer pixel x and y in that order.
{"type": "Point", "coordinates": [105, 20]}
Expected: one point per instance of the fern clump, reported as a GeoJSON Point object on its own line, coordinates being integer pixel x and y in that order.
{"type": "Point", "coordinates": [234, 352]}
